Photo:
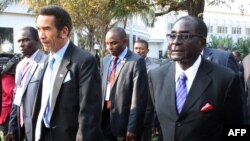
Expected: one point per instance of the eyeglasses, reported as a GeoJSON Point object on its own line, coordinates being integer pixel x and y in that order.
{"type": "Point", "coordinates": [182, 37]}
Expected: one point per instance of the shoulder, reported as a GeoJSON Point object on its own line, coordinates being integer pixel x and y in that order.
{"type": "Point", "coordinates": [80, 55]}
{"type": "Point", "coordinates": [163, 68]}
{"type": "Point", "coordinates": [216, 70]}
{"type": "Point", "coordinates": [246, 59]}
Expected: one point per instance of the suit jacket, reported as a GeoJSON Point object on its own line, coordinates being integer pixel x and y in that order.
{"type": "Point", "coordinates": [128, 94]}
{"type": "Point", "coordinates": [246, 66]}
{"type": "Point", "coordinates": [222, 92]}
{"type": "Point", "coordinates": [221, 57]}
{"type": "Point", "coordinates": [28, 88]}
{"type": "Point", "coordinates": [147, 130]}
{"type": "Point", "coordinates": [76, 99]}
{"type": "Point", "coordinates": [150, 64]}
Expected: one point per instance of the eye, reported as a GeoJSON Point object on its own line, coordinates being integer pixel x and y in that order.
{"type": "Point", "coordinates": [184, 36]}
{"type": "Point", "coordinates": [172, 36]}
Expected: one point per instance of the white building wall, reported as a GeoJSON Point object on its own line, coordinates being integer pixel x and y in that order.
{"type": "Point", "coordinates": [15, 17]}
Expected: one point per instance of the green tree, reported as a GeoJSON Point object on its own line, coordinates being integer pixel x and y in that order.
{"type": "Point", "coordinates": [193, 7]}
{"type": "Point", "coordinates": [5, 3]}
{"type": "Point", "coordinates": [221, 42]}
{"type": "Point", "coordinates": [92, 18]}
{"type": "Point", "coordinates": [243, 46]}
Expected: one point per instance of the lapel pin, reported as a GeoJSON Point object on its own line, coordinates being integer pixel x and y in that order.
{"type": "Point", "coordinates": [124, 60]}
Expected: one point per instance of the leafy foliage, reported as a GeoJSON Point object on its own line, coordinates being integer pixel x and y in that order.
{"type": "Point", "coordinates": [242, 45]}
{"type": "Point", "coordinates": [221, 42]}
{"type": "Point", "coordinates": [92, 18]}
{"type": "Point", "coordinates": [5, 3]}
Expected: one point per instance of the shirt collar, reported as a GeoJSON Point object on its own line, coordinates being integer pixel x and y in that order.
{"type": "Point", "coordinates": [32, 57]}
{"type": "Point", "coordinates": [190, 72]}
{"type": "Point", "coordinates": [122, 55]}
{"type": "Point", "coordinates": [60, 53]}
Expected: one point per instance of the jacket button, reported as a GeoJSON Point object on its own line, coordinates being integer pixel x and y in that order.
{"type": "Point", "coordinates": [178, 124]}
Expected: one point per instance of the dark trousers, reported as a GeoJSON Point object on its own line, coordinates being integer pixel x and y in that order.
{"type": "Point", "coordinates": [46, 133]}
{"type": "Point", "coordinates": [106, 128]}
{"type": "Point", "coordinates": [107, 133]}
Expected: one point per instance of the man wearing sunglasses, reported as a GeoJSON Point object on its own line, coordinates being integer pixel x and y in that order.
{"type": "Point", "coordinates": [193, 101]}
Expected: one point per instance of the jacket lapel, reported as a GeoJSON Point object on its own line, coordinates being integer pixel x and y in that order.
{"type": "Point", "coordinates": [105, 73]}
{"type": "Point", "coordinates": [120, 66]}
{"type": "Point", "coordinates": [208, 54]}
{"type": "Point", "coordinates": [61, 74]}
{"type": "Point", "coordinates": [170, 87]}
{"type": "Point", "coordinates": [32, 70]}
{"type": "Point", "coordinates": [200, 84]}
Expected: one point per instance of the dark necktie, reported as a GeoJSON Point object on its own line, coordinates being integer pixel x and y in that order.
{"type": "Point", "coordinates": [112, 77]}
{"type": "Point", "coordinates": [181, 92]}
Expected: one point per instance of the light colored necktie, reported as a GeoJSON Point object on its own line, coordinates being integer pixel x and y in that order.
{"type": "Point", "coordinates": [181, 92]}
{"type": "Point", "coordinates": [47, 116]}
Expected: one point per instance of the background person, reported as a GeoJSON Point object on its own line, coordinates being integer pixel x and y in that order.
{"type": "Point", "coordinates": [141, 48]}
{"type": "Point", "coordinates": [28, 74]}
{"type": "Point", "coordinates": [124, 90]}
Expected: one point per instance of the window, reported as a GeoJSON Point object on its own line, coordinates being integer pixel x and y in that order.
{"type": "Point", "coordinates": [170, 26]}
{"type": "Point", "coordinates": [248, 31]}
{"type": "Point", "coordinates": [210, 29]}
{"type": "Point", "coordinates": [221, 29]}
{"type": "Point", "coordinates": [236, 30]}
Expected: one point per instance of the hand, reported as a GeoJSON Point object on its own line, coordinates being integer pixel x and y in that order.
{"type": "Point", "coordinates": [155, 131]}
{"type": "Point", "coordinates": [131, 137]}
{"type": "Point", "coordinates": [9, 137]}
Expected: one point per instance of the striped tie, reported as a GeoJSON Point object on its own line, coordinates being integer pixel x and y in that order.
{"type": "Point", "coordinates": [111, 78]}
{"type": "Point", "coordinates": [181, 92]}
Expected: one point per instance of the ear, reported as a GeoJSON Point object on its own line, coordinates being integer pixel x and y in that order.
{"type": "Point", "coordinates": [125, 41]}
{"type": "Point", "coordinates": [64, 32]}
{"type": "Point", "coordinates": [202, 42]}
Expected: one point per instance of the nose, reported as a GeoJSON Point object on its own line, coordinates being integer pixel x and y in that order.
{"type": "Point", "coordinates": [109, 46]}
{"type": "Point", "coordinates": [20, 43]}
{"type": "Point", "coordinates": [41, 34]}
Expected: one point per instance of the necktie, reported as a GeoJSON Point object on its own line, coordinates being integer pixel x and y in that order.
{"type": "Point", "coordinates": [112, 77]}
{"type": "Point", "coordinates": [113, 69]}
{"type": "Point", "coordinates": [181, 92]}
{"type": "Point", "coordinates": [47, 115]}
{"type": "Point", "coordinates": [25, 68]}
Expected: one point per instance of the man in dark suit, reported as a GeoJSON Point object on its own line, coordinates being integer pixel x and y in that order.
{"type": "Point", "coordinates": [141, 48]}
{"type": "Point", "coordinates": [193, 101]}
{"type": "Point", "coordinates": [26, 82]}
{"type": "Point", "coordinates": [68, 105]}
{"type": "Point", "coordinates": [221, 57]}
{"type": "Point", "coordinates": [124, 89]}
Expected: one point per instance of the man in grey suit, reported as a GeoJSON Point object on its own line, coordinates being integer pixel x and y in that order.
{"type": "Point", "coordinates": [193, 101]}
{"type": "Point", "coordinates": [26, 81]}
{"type": "Point", "coordinates": [68, 103]}
{"type": "Point", "coordinates": [124, 89]}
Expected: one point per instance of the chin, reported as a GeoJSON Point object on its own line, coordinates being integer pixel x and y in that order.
{"type": "Point", "coordinates": [176, 58]}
